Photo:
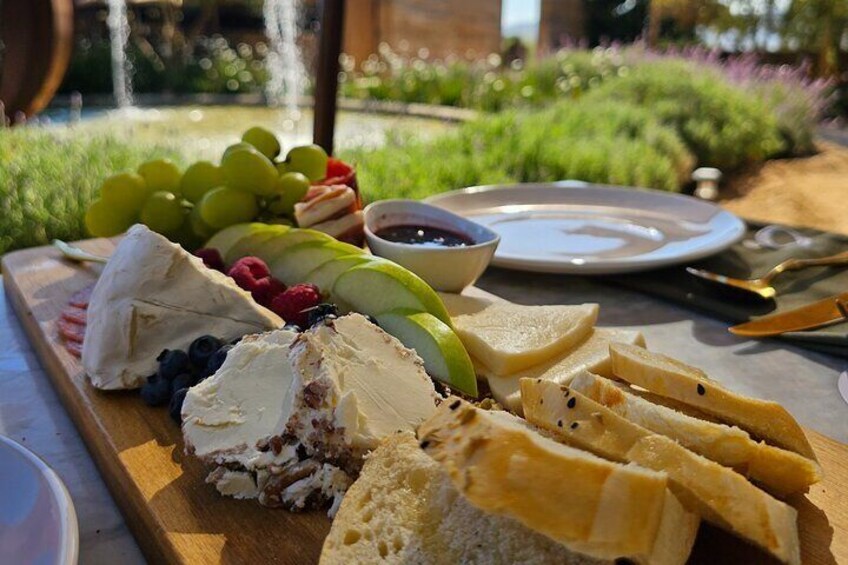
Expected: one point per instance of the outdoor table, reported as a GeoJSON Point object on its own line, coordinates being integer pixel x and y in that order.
{"type": "Point", "coordinates": [803, 381]}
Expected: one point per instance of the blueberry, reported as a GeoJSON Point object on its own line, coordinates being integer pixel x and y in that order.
{"type": "Point", "coordinates": [156, 392]}
{"type": "Point", "coordinates": [321, 312]}
{"type": "Point", "coordinates": [201, 349]}
{"type": "Point", "coordinates": [293, 328]}
{"type": "Point", "coordinates": [173, 362]}
{"type": "Point", "coordinates": [184, 380]}
{"type": "Point", "coordinates": [217, 359]}
{"type": "Point", "coordinates": [175, 408]}
{"type": "Point", "coordinates": [371, 319]}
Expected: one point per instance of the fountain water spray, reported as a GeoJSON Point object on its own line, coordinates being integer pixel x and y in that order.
{"type": "Point", "coordinates": [285, 66]}
{"type": "Point", "coordinates": [119, 33]}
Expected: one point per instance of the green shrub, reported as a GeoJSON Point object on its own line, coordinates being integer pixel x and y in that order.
{"type": "Point", "coordinates": [48, 177]}
{"type": "Point", "coordinates": [602, 142]}
{"type": "Point", "coordinates": [722, 125]}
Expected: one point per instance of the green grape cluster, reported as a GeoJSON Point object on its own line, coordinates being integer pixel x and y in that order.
{"type": "Point", "coordinates": [250, 183]}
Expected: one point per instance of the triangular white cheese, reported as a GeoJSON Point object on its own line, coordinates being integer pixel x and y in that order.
{"type": "Point", "coordinates": [154, 295]}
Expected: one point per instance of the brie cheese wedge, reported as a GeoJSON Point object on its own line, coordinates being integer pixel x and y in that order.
{"type": "Point", "coordinates": [154, 295]}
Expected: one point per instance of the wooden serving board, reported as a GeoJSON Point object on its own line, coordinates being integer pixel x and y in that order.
{"type": "Point", "coordinates": [176, 517]}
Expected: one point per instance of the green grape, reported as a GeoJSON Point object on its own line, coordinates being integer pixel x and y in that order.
{"type": "Point", "coordinates": [263, 140]}
{"type": "Point", "coordinates": [282, 167]}
{"type": "Point", "coordinates": [249, 171]}
{"type": "Point", "coordinates": [291, 187]}
{"type": "Point", "coordinates": [125, 192]}
{"type": "Point", "coordinates": [311, 160]}
{"type": "Point", "coordinates": [224, 206]}
{"type": "Point", "coordinates": [163, 212]}
{"type": "Point", "coordinates": [236, 147]}
{"type": "Point", "coordinates": [198, 226]}
{"type": "Point", "coordinates": [160, 174]}
{"type": "Point", "coordinates": [198, 179]}
{"type": "Point", "coordinates": [101, 220]}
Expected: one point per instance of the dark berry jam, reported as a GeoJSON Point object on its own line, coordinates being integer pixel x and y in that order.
{"type": "Point", "coordinates": [424, 235]}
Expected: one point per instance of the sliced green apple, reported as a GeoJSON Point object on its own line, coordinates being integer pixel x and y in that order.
{"type": "Point", "coordinates": [293, 263]}
{"type": "Point", "coordinates": [224, 240]}
{"type": "Point", "coordinates": [248, 244]}
{"type": "Point", "coordinates": [271, 249]}
{"type": "Point", "coordinates": [324, 276]}
{"type": "Point", "coordinates": [445, 358]}
{"type": "Point", "coordinates": [377, 287]}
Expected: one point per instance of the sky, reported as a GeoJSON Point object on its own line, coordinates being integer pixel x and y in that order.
{"type": "Point", "coordinates": [517, 12]}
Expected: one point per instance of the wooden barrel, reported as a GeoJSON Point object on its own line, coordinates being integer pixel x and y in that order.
{"type": "Point", "coordinates": [38, 39]}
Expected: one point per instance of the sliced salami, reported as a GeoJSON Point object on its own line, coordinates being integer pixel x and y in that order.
{"type": "Point", "coordinates": [80, 298]}
{"type": "Point", "coordinates": [75, 314]}
{"type": "Point", "coordinates": [74, 348]}
{"type": "Point", "coordinates": [71, 331]}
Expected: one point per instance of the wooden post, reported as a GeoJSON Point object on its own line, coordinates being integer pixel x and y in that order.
{"type": "Point", "coordinates": [327, 74]}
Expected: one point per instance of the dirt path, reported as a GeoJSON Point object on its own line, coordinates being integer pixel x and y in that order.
{"type": "Point", "coordinates": [811, 191]}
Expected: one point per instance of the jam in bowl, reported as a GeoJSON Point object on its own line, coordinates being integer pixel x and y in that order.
{"type": "Point", "coordinates": [446, 250]}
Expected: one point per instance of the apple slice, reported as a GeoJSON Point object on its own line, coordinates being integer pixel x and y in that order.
{"type": "Point", "coordinates": [444, 356]}
{"type": "Point", "coordinates": [225, 239]}
{"type": "Point", "coordinates": [377, 287]}
{"type": "Point", "coordinates": [293, 264]}
{"type": "Point", "coordinates": [248, 244]}
{"type": "Point", "coordinates": [269, 250]}
{"type": "Point", "coordinates": [324, 276]}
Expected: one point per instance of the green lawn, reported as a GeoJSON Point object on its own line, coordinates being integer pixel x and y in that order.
{"type": "Point", "coordinates": [48, 177]}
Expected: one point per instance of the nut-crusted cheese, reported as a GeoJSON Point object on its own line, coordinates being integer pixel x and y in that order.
{"type": "Point", "coordinates": [225, 416]}
{"type": "Point", "coordinates": [153, 295]}
{"type": "Point", "coordinates": [355, 384]}
{"type": "Point", "coordinates": [288, 417]}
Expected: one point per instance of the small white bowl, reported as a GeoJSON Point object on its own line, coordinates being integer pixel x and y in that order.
{"type": "Point", "coordinates": [449, 269]}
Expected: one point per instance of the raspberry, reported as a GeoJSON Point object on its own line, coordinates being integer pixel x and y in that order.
{"type": "Point", "coordinates": [268, 291]}
{"type": "Point", "coordinates": [255, 265]}
{"type": "Point", "coordinates": [293, 304]}
{"type": "Point", "coordinates": [249, 272]}
{"type": "Point", "coordinates": [211, 258]}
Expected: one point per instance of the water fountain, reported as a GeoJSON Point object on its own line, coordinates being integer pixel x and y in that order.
{"type": "Point", "coordinates": [286, 72]}
{"type": "Point", "coordinates": [119, 33]}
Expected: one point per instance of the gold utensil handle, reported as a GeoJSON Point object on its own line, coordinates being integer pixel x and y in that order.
{"type": "Point", "coordinates": [838, 259]}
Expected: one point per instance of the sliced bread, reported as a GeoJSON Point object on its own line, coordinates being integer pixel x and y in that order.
{"type": "Point", "coordinates": [510, 337]}
{"type": "Point", "coordinates": [403, 509]}
{"type": "Point", "coordinates": [778, 470]}
{"type": "Point", "coordinates": [669, 377]}
{"type": "Point", "coordinates": [505, 467]}
{"type": "Point", "coordinates": [719, 494]}
{"type": "Point", "coordinates": [590, 355]}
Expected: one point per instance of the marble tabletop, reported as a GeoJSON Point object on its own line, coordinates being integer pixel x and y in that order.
{"type": "Point", "coordinates": [805, 382]}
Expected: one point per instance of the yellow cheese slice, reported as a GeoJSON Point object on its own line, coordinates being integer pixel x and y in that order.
{"type": "Point", "coordinates": [511, 337]}
{"type": "Point", "coordinates": [592, 355]}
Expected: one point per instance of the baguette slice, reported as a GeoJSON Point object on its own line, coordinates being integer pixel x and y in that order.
{"type": "Point", "coordinates": [590, 355]}
{"type": "Point", "coordinates": [510, 337]}
{"type": "Point", "coordinates": [665, 376]}
{"type": "Point", "coordinates": [404, 509]}
{"type": "Point", "coordinates": [778, 470]}
{"type": "Point", "coordinates": [719, 494]}
{"type": "Point", "coordinates": [607, 510]}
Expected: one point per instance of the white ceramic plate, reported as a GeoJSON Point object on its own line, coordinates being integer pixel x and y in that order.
{"type": "Point", "coordinates": [38, 524]}
{"type": "Point", "coordinates": [581, 228]}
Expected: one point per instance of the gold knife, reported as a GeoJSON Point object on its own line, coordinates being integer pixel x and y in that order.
{"type": "Point", "coordinates": [822, 313]}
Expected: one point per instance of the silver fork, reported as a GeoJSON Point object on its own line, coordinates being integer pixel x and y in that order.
{"type": "Point", "coordinates": [762, 286]}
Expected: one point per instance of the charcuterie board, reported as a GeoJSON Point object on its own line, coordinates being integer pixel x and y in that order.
{"type": "Point", "coordinates": [176, 517]}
